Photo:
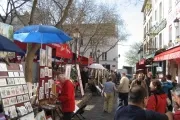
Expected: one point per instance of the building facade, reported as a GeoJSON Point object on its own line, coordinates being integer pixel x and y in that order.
{"type": "Point", "coordinates": [161, 35]}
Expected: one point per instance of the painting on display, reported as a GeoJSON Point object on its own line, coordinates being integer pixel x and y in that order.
{"type": "Point", "coordinates": [48, 56]}
{"type": "Point", "coordinates": [7, 31]}
{"type": "Point", "coordinates": [68, 71]}
{"type": "Point", "coordinates": [42, 57]}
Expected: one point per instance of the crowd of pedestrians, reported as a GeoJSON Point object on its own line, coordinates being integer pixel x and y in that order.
{"type": "Point", "coordinates": [143, 98]}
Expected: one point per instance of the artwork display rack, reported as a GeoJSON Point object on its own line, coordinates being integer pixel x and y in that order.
{"type": "Point", "coordinates": [14, 92]}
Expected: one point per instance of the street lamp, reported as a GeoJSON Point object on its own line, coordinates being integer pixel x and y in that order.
{"type": "Point", "coordinates": [76, 35]}
{"type": "Point", "coordinates": [176, 23]}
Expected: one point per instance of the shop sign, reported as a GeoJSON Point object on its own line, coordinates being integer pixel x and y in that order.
{"type": "Point", "coordinates": [7, 31]}
{"type": "Point", "coordinates": [160, 27]}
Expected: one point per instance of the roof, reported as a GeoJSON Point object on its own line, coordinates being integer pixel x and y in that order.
{"type": "Point", "coordinates": [109, 29]}
{"type": "Point", "coordinates": [144, 5]}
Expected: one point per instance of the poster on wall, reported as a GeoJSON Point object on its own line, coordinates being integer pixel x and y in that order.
{"type": "Point", "coordinates": [80, 80]}
{"type": "Point", "coordinates": [68, 71]}
{"type": "Point", "coordinates": [48, 56]}
{"type": "Point", "coordinates": [7, 31]}
{"type": "Point", "coordinates": [42, 57]}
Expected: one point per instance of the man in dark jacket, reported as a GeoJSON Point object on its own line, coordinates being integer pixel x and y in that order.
{"type": "Point", "coordinates": [148, 81]}
{"type": "Point", "coordinates": [135, 109]}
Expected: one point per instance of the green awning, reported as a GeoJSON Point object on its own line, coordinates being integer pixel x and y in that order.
{"type": "Point", "coordinates": [150, 56]}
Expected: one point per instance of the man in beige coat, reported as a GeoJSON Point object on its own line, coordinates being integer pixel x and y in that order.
{"type": "Point", "coordinates": [123, 90]}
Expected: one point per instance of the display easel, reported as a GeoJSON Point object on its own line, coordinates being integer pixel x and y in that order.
{"type": "Point", "coordinates": [14, 92]}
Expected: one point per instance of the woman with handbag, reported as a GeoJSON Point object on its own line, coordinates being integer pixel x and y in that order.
{"type": "Point", "coordinates": [158, 98]}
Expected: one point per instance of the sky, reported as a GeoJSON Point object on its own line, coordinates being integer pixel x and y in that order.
{"type": "Point", "coordinates": [133, 19]}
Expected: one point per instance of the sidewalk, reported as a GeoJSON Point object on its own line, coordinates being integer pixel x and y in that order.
{"type": "Point", "coordinates": [94, 109]}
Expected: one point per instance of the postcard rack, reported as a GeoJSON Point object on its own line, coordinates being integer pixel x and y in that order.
{"type": "Point", "coordinates": [14, 92]}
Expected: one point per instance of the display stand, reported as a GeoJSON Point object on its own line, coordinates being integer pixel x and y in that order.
{"type": "Point", "coordinates": [14, 92]}
{"type": "Point", "coordinates": [45, 76]}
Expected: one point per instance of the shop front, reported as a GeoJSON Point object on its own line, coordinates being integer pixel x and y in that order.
{"type": "Point", "coordinates": [172, 57]}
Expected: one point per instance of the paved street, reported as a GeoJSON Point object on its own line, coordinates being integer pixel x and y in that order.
{"type": "Point", "coordinates": [94, 110]}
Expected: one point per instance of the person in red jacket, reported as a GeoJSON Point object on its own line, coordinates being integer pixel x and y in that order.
{"type": "Point", "coordinates": [176, 96]}
{"type": "Point", "coordinates": [67, 97]}
{"type": "Point", "coordinates": [157, 100]}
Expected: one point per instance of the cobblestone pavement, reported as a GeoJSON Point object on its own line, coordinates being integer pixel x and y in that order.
{"type": "Point", "coordinates": [94, 109]}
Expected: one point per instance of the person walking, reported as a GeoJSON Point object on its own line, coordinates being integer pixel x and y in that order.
{"type": "Point", "coordinates": [135, 109]}
{"type": "Point", "coordinates": [148, 81]}
{"type": "Point", "coordinates": [123, 90]}
{"type": "Point", "coordinates": [157, 100]}
{"type": "Point", "coordinates": [176, 96]}
{"type": "Point", "coordinates": [167, 86]}
{"type": "Point", "coordinates": [67, 97]}
{"type": "Point", "coordinates": [139, 82]}
{"type": "Point", "coordinates": [108, 92]}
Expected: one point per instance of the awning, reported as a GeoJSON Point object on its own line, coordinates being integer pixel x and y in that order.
{"type": "Point", "coordinates": [168, 55]}
{"type": "Point", "coordinates": [62, 50]}
{"type": "Point", "coordinates": [150, 56]}
{"type": "Point", "coordinates": [142, 61]}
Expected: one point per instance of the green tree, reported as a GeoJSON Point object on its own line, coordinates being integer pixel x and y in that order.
{"type": "Point", "coordinates": [131, 56]}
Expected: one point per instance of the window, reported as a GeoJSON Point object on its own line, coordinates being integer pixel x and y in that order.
{"type": "Point", "coordinates": [155, 43]}
{"type": "Point", "coordinates": [160, 12]}
{"type": "Point", "coordinates": [156, 15]}
{"type": "Point", "coordinates": [145, 33]}
{"type": "Point", "coordinates": [160, 40]}
{"type": "Point", "coordinates": [170, 5]}
{"type": "Point", "coordinates": [170, 32]}
{"type": "Point", "coordinates": [104, 56]}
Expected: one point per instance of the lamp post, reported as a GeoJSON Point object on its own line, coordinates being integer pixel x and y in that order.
{"type": "Point", "coordinates": [98, 51]}
{"type": "Point", "coordinates": [176, 24]}
{"type": "Point", "coordinates": [76, 36]}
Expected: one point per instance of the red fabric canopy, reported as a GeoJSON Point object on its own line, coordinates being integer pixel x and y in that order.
{"type": "Point", "coordinates": [142, 61]}
{"type": "Point", "coordinates": [168, 55]}
{"type": "Point", "coordinates": [62, 50]}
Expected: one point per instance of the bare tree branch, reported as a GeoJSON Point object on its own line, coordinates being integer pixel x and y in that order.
{"type": "Point", "coordinates": [65, 14]}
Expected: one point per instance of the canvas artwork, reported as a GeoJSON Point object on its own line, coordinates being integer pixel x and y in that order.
{"type": "Point", "coordinates": [16, 74]}
{"type": "Point", "coordinates": [11, 74]}
{"type": "Point", "coordinates": [8, 91]}
{"type": "Point", "coordinates": [46, 88]}
{"type": "Point", "coordinates": [20, 99]}
{"type": "Point", "coordinates": [10, 81]}
{"type": "Point", "coordinates": [6, 111]}
{"type": "Point", "coordinates": [17, 90]}
{"type": "Point", "coordinates": [41, 93]}
{"type": "Point", "coordinates": [13, 90]}
{"type": "Point", "coordinates": [21, 67]}
{"type": "Point", "coordinates": [3, 92]}
{"type": "Point", "coordinates": [42, 72]}
{"type": "Point", "coordinates": [28, 106]}
{"type": "Point", "coordinates": [28, 117]}
{"type": "Point", "coordinates": [26, 97]}
{"type": "Point", "coordinates": [3, 67]}
{"type": "Point", "coordinates": [48, 56]}
{"type": "Point", "coordinates": [50, 83]}
{"type": "Point", "coordinates": [21, 74]}
{"type": "Point", "coordinates": [3, 82]}
{"type": "Point", "coordinates": [42, 57]}
{"type": "Point", "coordinates": [6, 102]}
{"type": "Point", "coordinates": [22, 80]}
{"type": "Point", "coordinates": [49, 72]}
{"type": "Point", "coordinates": [25, 88]}
{"type": "Point", "coordinates": [42, 83]}
{"type": "Point", "coordinates": [12, 111]}
{"type": "Point", "coordinates": [22, 110]}
{"type": "Point", "coordinates": [12, 100]}
{"type": "Point", "coordinates": [46, 71]}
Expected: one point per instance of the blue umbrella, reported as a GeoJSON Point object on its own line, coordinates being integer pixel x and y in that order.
{"type": "Point", "coordinates": [9, 46]}
{"type": "Point", "coordinates": [42, 34]}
